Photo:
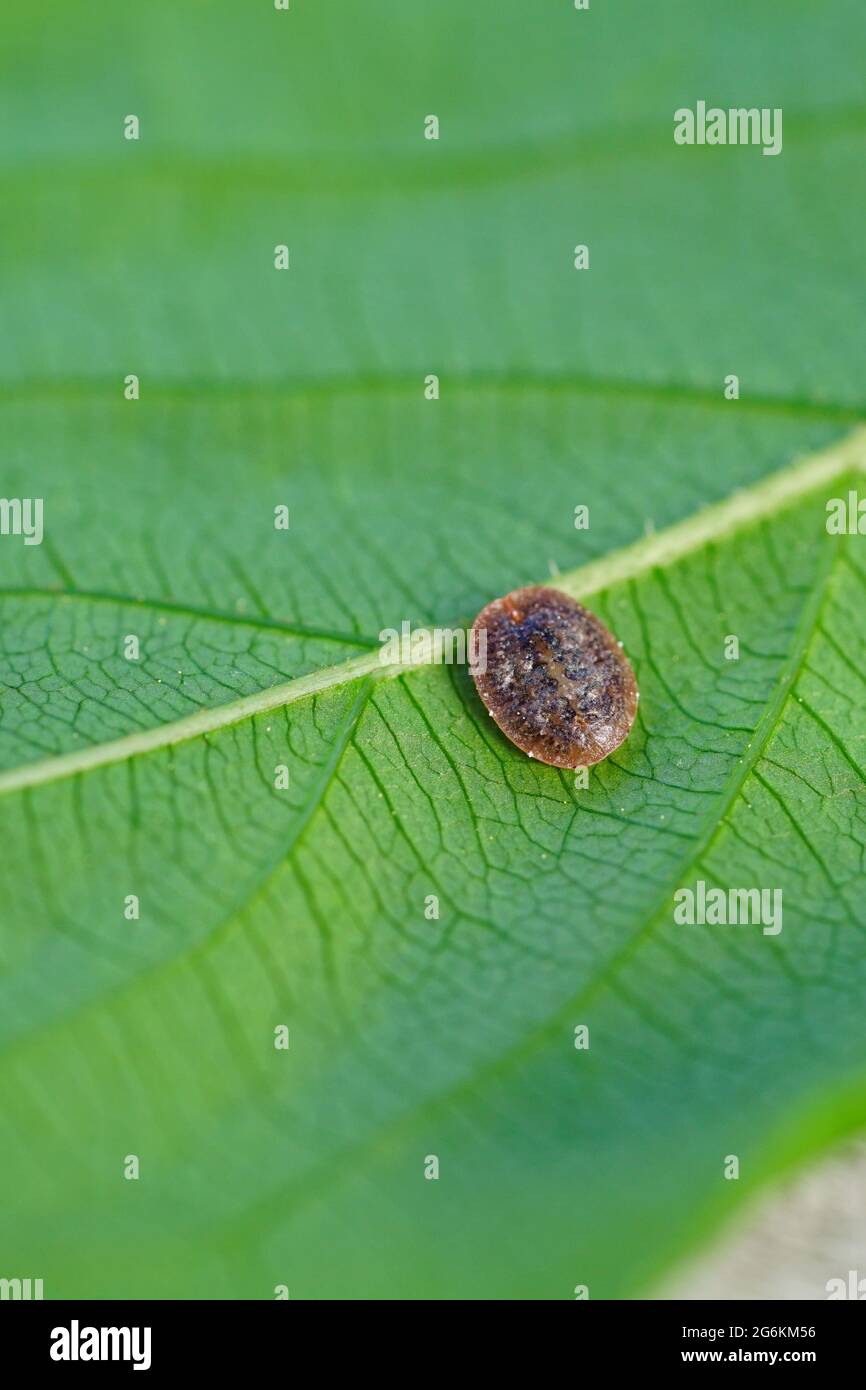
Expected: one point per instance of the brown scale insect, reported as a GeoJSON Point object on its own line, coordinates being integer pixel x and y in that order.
{"type": "Point", "coordinates": [555, 680]}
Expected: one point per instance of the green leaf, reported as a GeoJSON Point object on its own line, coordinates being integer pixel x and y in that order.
{"type": "Point", "coordinates": [259, 648]}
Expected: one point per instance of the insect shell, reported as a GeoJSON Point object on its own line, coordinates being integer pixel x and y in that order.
{"type": "Point", "coordinates": [555, 680]}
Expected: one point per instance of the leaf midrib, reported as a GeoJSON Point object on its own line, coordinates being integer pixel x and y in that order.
{"type": "Point", "coordinates": [738, 512]}
{"type": "Point", "coordinates": [313, 1183]}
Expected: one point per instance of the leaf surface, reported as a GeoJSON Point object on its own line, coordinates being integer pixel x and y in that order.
{"type": "Point", "coordinates": [306, 907]}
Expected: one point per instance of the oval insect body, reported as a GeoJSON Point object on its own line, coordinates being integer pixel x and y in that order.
{"type": "Point", "coordinates": [558, 684]}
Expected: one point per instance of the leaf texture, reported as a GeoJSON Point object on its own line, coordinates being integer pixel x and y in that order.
{"type": "Point", "coordinates": [305, 907]}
